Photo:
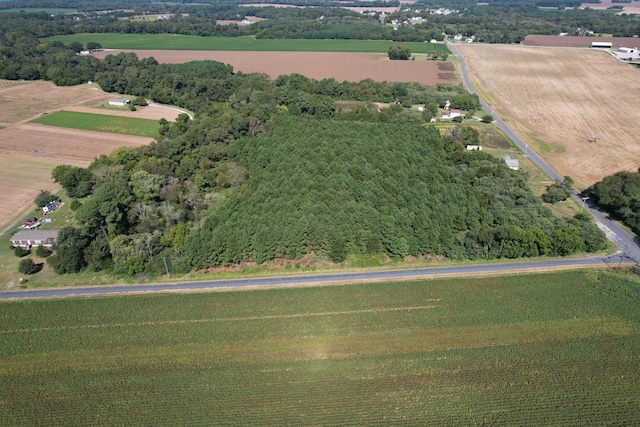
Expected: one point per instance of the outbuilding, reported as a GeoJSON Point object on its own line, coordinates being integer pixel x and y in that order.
{"type": "Point", "coordinates": [119, 102]}
{"type": "Point", "coordinates": [601, 45]}
{"type": "Point", "coordinates": [30, 238]}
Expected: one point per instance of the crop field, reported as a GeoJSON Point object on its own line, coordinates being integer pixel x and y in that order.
{"type": "Point", "coordinates": [316, 65]}
{"type": "Point", "coordinates": [179, 42]}
{"type": "Point", "coordinates": [547, 349]}
{"type": "Point", "coordinates": [574, 107]}
{"type": "Point", "coordinates": [101, 123]}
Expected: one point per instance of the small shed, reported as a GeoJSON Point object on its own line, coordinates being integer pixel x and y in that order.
{"type": "Point", "coordinates": [31, 238]}
{"type": "Point", "coordinates": [511, 163]}
{"type": "Point", "coordinates": [601, 45]}
{"type": "Point", "coordinates": [119, 102]}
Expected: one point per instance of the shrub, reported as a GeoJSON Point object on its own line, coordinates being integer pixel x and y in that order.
{"type": "Point", "coordinates": [555, 193]}
{"type": "Point", "coordinates": [43, 252]}
{"type": "Point", "coordinates": [27, 266]}
{"type": "Point", "coordinates": [44, 198]}
{"type": "Point", "coordinates": [486, 118]}
{"type": "Point", "coordinates": [74, 205]}
{"type": "Point", "coordinates": [20, 251]}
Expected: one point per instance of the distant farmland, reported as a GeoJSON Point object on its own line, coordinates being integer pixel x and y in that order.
{"type": "Point", "coordinates": [179, 42]}
{"type": "Point", "coordinates": [545, 349]}
{"type": "Point", "coordinates": [101, 123]}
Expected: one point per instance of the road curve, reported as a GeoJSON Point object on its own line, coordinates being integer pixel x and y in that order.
{"type": "Point", "coordinates": [318, 279]}
{"type": "Point", "coordinates": [626, 242]}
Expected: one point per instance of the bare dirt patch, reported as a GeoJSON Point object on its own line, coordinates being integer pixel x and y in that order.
{"type": "Point", "coordinates": [316, 65]}
{"type": "Point", "coordinates": [556, 99]}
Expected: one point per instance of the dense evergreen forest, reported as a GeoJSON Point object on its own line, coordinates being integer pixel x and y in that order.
{"type": "Point", "coordinates": [503, 21]}
{"type": "Point", "coordinates": [619, 195]}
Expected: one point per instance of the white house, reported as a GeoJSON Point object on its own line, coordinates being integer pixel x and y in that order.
{"type": "Point", "coordinates": [601, 45]}
{"type": "Point", "coordinates": [511, 163]}
{"type": "Point", "coordinates": [474, 147]}
{"type": "Point", "coordinates": [450, 114]}
{"type": "Point", "coordinates": [31, 238]}
{"type": "Point", "coordinates": [119, 102]}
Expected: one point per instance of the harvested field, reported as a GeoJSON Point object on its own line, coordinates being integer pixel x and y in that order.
{"type": "Point", "coordinates": [570, 41]}
{"type": "Point", "coordinates": [556, 99]}
{"type": "Point", "coordinates": [633, 7]}
{"type": "Point", "coordinates": [316, 65]}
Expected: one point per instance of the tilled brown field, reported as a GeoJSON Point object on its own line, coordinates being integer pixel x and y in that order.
{"type": "Point", "coordinates": [557, 99]}
{"type": "Point", "coordinates": [316, 65]}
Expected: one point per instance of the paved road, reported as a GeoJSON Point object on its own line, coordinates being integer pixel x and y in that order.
{"type": "Point", "coordinates": [318, 279]}
{"type": "Point", "coordinates": [626, 242]}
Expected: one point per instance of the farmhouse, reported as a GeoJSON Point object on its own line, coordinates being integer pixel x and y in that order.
{"type": "Point", "coordinates": [450, 114]}
{"type": "Point", "coordinates": [30, 238]}
{"type": "Point", "coordinates": [601, 45]}
{"type": "Point", "coordinates": [119, 102]}
{"type": "Point", "coordinates": [511, 163]}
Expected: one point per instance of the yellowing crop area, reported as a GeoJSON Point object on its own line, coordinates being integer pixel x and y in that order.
{"type": "Point", "coordinates": [577, 108]}
{"type": "Point", "coordinates": [546, 349]}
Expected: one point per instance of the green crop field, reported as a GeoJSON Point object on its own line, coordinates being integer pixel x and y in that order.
{"type": "Point", "coordinates": [548, 349]}
{"type": "Point", "coordinates": [178, 42]}
{"type": "Point", "coordinates": [101, 122]}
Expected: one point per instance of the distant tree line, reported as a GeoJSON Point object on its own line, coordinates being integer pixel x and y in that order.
{"type": "Point", "coordinates": [496, 22]}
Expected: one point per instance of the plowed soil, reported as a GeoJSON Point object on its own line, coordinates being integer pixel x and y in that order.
{"type": "Point", "coordinates": [558, 99]}
{"type": "Point", "coordinates": [316, 65]}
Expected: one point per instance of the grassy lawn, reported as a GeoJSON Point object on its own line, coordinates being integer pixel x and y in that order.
{"type": "Point", "coordinates": [102, 123]}
{"type": "Point", "coordinates": [178, 42]}
{"type": "Point", "coordinates": [545, 349]}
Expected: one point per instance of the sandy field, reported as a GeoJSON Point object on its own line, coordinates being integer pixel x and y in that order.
{"type": "Point", "coordinates": [557, 99]}
{"type": "Point", "coordinates": [28, 152]}
{"type": "Point", "coordinates": [316, 65]}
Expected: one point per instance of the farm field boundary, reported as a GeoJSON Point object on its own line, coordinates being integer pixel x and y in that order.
{"type": "Point", "coordinates": [180, 42]}
{"type": "Point", "coordinates": [101, 123]}
{"type": "Point", "coordinates": [558, 348]}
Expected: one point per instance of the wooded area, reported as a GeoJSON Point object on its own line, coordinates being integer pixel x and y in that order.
{"type": "Point", "coordinates": [271, 169]}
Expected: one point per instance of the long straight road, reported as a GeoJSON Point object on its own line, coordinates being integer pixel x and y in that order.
{"type": "Point", "coordinates": [627, 244]}
{"type": "Point", "coordinates": [319, 279]}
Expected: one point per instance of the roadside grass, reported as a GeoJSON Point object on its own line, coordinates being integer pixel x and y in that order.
{"type": "Point", "coordinates": [179, 42]}
{"type": "Point", "coordinates": [538, 349]}
{"type": "Point", "coordinates": [101, 123]}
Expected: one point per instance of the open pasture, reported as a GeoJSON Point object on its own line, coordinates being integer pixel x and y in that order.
{"type": "Point", "coordinates": [558, 99]}
{"type": "Point", "coordinates": [316, 65]}
{"type": "Point", "coordinates": [547, 349]}
{"type": "Point", "coordinates": [180, 42]}
{"type": "Point", "coordinates": [101, 123]}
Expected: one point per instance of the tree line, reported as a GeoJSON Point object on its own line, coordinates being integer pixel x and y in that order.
{"type": "Point", "coordinates": [496, 22]}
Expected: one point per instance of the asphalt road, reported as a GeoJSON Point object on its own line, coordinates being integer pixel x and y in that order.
{"type": "Point", "coordinates": [626, 242]}
{"type": "Point", "coordinates": [317, 279]}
